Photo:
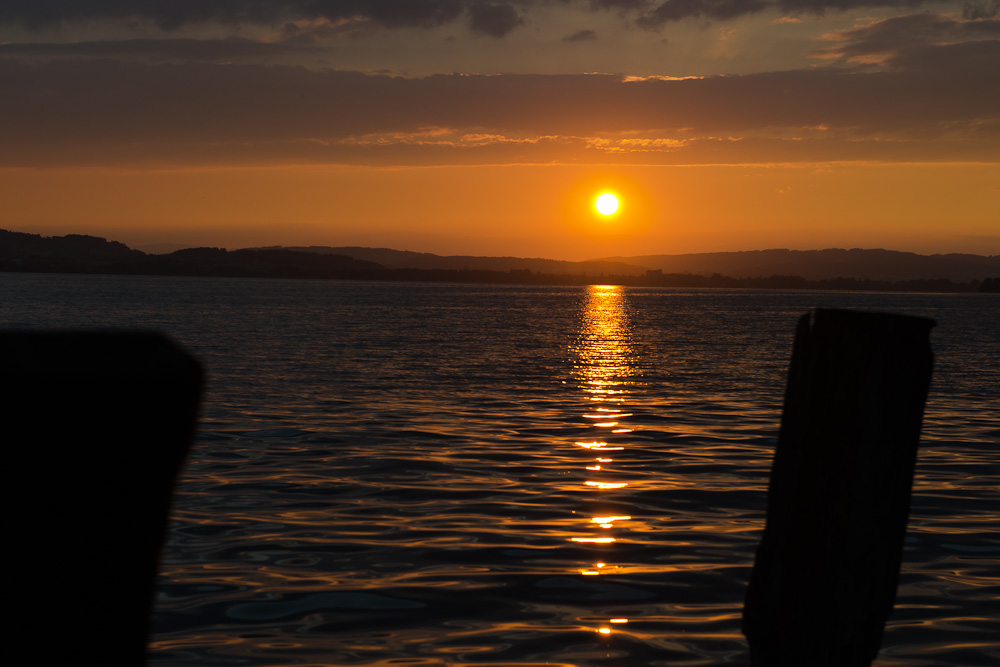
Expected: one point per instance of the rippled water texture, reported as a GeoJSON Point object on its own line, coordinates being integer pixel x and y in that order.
{"type": "Point", "coordinates": [416, 474]}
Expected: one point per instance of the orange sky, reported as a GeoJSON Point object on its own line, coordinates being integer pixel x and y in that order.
{"type": "Point", "coordinates": [464, 127]}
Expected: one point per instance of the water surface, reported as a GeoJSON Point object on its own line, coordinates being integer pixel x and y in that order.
{"type": "Point", "coordinates": [435, 474]}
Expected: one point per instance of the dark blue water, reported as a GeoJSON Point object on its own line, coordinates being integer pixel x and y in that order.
{"type": "Point", "coordinates": [425, 474]}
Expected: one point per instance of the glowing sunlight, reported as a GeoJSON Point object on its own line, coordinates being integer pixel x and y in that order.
{"type": "Point", "coordinates": [606, 204]}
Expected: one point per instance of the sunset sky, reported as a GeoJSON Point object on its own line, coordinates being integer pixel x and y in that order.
{"type": "Point", "coordinates": [490, 127]}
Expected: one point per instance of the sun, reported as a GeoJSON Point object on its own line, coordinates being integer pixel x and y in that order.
{"type": "Point", "coordinates": [606, 204]}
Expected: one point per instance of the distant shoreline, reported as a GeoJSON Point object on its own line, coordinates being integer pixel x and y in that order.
{"type": "Point", "coordinates": [527, 277]}
{"type": "Point", "coordinates": [80, 254]}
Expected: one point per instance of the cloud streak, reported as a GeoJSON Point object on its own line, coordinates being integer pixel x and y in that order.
{"type": "Point", "coordinates": [177, 50]}
{"type": "Point", "coordinates": [581, 36]}
{"type": "Point", "coordinates": [107, 112]}
{"type": "Point", "coordinates": [905, 40]}
{"type": "Point", "coordinates": [487, 17]}
{"type": "Point", "coordinates": [491, 18]}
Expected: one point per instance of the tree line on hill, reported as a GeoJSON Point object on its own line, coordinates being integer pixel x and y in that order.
{"type": "Point", "coordinates": [76, 253]}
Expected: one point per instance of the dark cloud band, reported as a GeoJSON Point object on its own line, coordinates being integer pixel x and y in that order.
{"type": "Point", "coordinates": [494, 18]}
{"type": "Point", "coordinates": [490, 17]}
{"type": "Point", "coordinates": [103, 111]}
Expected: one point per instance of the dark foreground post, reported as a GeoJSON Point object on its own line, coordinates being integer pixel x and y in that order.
{"type": "Point", "coordinates": [96, 426]}
{"type": "Point", "coordinates": [825, 577]}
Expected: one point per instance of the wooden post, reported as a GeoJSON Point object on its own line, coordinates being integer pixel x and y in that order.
{"type": "Point", "coordinates": [96, 427]}
{"type": "Point", "coordinates": [824, 580]}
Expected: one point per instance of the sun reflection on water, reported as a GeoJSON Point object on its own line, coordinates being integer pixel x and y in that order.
{"type": "Point", "coordinates": [605, 372]}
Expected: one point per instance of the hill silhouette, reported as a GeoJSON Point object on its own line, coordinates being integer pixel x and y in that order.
{"type": "Point", "coordinates": [70, 247]}
{"type": "Point", "coordinates": [774, 269]}
{"type": "Point", "coordinates": [76, 253]}
{"type": "Point", "coordinates": [874, 264]}
{"type": "Point", "coordinates": [406, 259]}
{"type": "Point", "coordinates": [860, 264]}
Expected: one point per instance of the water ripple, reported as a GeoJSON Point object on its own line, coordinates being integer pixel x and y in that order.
{"type": "Point", "coordinates": [497, 475]}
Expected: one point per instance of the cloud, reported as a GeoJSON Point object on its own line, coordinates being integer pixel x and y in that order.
{"type": "Point", "coordinates": [675, 10]}
{"type": "Point", "coordinates": [491, 19]}
{"type": "Point", "coordinates": [821, 6]}
{"type": "Point", "coordinates": [495, 18]}
{"type": "Point", "coordinates": [37, 14]}
{"type": "Point", "coordinates": [980, 9]}
{"type": "Point", "coordinates": [907, 41]}
{"type": "Point", "coordinates": [621, 4]}
{"type": "Point", "coordinates": [581, 36]}
{"type": "Point", "coordinates": [114, 112]}
{"type": "Point", "coordinates": [322, 29]}
{"type": "Point", "coordinates": [184, 49]}
{"type": "Point", "coordinates": [976, 56]}
{"type": "Point", "coordinates": [656, 14]}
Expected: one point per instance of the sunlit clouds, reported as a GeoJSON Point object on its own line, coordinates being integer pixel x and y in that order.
{"type": "Point", "coordinates": [543, 90]}
{"type": "Point", "coordinates": [201, 113]}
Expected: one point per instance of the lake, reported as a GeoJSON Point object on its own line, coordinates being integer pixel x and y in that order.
{"type": "Point", "coordinates": [442, 474]}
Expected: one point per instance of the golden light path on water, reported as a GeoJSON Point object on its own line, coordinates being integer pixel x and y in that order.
{"type": "Point", "coordinates": [603, 358]}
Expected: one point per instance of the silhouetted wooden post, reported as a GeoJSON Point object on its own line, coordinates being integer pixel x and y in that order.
{"type": "Point", "coordinates": [825, 576]}
{"type": "Point", "coordinates": [96, 427]}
